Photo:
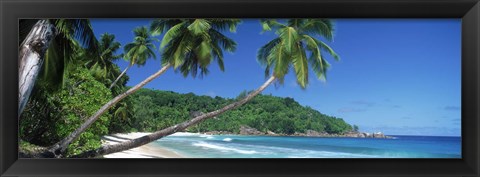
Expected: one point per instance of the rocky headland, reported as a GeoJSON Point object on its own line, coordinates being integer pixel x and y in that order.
{"type": "Point", "coordinates": [246, 130]}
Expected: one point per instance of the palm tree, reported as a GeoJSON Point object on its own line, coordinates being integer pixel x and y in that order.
{"type": "Point", "coordinates": [192, 44]}
{"type": "Point", "coordinates": [102, 65]}
{"type": "Point", "coordinates": [290, 48]}
{"type": "Point", "coordinates": [48, 47]}
{"type": "Point", "coordinates": [295, 39]}
{"type": "Point", "coordinates": [188, 45]}
{"type": "Point", "coordinates": [105, 70]}
{"type": "Point", "coordinates": [138, 51]}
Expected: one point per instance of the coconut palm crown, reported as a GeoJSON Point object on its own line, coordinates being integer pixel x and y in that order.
{"type": "Point", "coordinates": [190, 45]}
{"type": "Point", "coordinates": [142, 47]}
{"type": "Point", "coordinates": [298, 44]}
{"type": "Point", "coordinates": [102, 65]}
{"type": "Point", "coordinates": [138, 51]}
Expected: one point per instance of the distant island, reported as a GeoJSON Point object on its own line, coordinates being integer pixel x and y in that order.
{"type": "Point", "coordinates": [265, 115]}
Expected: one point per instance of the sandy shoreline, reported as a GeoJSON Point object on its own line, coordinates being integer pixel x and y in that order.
{"type": "Point", "coordinates": [145, 151]}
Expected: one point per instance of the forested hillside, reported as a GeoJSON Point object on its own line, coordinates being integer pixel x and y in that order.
{"type": "Point", "coordinates": [155, 109]}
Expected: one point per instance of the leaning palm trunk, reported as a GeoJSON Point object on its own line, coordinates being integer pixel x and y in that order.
{"type": "Point", "coordinates": [59, 149]}
{"type": "Point", "coordinates": [120, 76]}
{"type": "Point", "coordinates": [171, 130]}
{"type": "Point", "coordinates": [31, 56]}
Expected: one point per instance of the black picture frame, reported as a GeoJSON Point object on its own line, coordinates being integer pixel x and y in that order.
{"type": "Point", "coordinates": [12, 10]}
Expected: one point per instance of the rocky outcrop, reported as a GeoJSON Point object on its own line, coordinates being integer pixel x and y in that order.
{"type": "Point", "coordinates": [246, 130]}
{"type": "Point", "coordinates": [355, 135]}
{"type": "Point", "coordinates": [378, 135]}
{"type": "Point", "coordinates": [312, 133]}
{"type": "Point", "coordinates": [272, 133]}
{"type": "Point", "coordinates": [366, 135]}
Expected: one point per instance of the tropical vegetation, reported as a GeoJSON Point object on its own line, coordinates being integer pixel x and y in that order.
{"type": "Point", "coordinates": [69, 124]}
{"type": "Point", "coordinates": [156, 110]}
{"type": "Point", "coordinates": [48, 47]}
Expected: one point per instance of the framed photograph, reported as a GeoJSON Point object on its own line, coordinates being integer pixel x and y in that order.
{"type": "Point", "coordinates": [240, 88]}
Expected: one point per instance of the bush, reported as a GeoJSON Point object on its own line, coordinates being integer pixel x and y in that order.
{"type": "Point", "coordinates": [52, 115]}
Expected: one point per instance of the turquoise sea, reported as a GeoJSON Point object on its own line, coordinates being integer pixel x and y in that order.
{"type": "Point", "coordinates": [238, 146]}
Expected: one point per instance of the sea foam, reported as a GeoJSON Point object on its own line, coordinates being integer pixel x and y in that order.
{"type": "Point", "coordinates": [206, 136]}
{"type": "Point", "coordinates": [185, 134]}
{"type": "Point", "coordinates": [223, 148]}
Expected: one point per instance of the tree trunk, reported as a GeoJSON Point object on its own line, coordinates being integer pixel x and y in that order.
{"type": "Point", "coordinates": [120, 76]}
{"type": "Point", "coordinates": [59, 148]}
{"type": "Point", "coordinates": [170, 130]}
{"type": "Point", "coordinates": [31, 57]}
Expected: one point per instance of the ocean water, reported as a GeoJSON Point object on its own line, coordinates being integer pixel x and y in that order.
{"type": "Point", "coordinates": [238, 146]}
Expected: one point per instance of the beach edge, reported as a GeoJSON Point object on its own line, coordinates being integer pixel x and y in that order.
{"type": "Point", "coordinates": [145, 151]}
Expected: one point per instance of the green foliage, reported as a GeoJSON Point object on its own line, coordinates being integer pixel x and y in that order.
{"type": "Point", "coordinates": [51, 116]}
{"type": "Point", "coordinates": [71, 33]}
{"type": "Point", "coordinates": [142, 47]}
{"type": "Point", "coordinates": [190, 45]}
{"type": "Point", "coordinates": [154, 110]}
{"type": "Point", "coordinates": [101, 64]}
{"type": "Point", "coordinates": [297, 47]}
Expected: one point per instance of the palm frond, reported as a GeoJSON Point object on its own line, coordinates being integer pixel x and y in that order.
{"type": "Point", "coordinates": [226, 43]}
{"type": "Point", "coordinates": [320, 27]}
{"type": "Point", "coordinates": [301, 66]}
{"type": "Point", "coordinates": [289, 37]}
{"type": "Point", "coordinates": [281, 60]}
{"type": "Point", "coordinates": [79, 29]}
{"type": "Point", "coordinates": [59, 55]}
{"type": "Point", "coordinates": [328, 49]}
{"type": "Point", "coordinates": [191, 45]}
{"type": "Point", "coordinates": [223, 24]}
{"type": "Point", "coordinates": [265, 50]}
{"type": "Point", "coordinates": [199, 26]}
{"type": "Point", "coordinates": [141, 33]}
{"type": "Point", "coordinates": [295, 39]}
{"type": "Point", "coordinates": [270, 24]}
{"type": "Point", "coordinates": [295, 22]}
{"type": "Point", "coordinates": [217, 53]}
{"type": "Point", "coordinates": [121, 112]}
{"type": "Point", "coordinates": [172, 33]}
{"type": "Point", "coordinates": [204, 51]}
{"type": "Point", "coordinates": [159, 26]}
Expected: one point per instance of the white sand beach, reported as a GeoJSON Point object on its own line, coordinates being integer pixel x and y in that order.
{"type": "Point", "coordinates": [145, 151]}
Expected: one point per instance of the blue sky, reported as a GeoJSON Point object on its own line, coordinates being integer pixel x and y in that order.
{"type": "Point", "coordinates": [397, 76]}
